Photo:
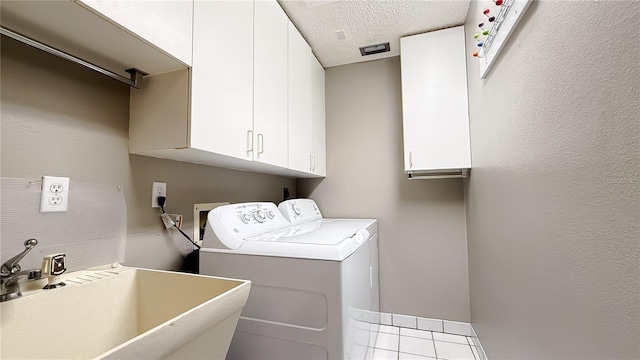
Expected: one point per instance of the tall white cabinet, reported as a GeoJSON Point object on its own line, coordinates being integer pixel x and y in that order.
{"type": "Point", "coordinates": [435, 105]}
{"type": "Point", "coordinates": [222, 78]}
{"type": "Point", "coordinates": [270, 83]}
{"type": "Point", "coordinates": [300, 111]}
{"type": "Point", "coordinates": [318, 133]}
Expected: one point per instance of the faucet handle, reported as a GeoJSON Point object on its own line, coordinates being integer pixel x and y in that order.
{"type": "Point", "coordinates": [54, 265]}
{"type": "Point", "coordinates": [11, 266]}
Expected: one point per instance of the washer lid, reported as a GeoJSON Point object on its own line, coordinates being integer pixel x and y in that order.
{"type": "Point", "coordinates": [333, 240]}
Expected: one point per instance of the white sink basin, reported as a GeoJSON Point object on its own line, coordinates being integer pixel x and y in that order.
{"type": "Point", "coordinates": [124, 313]}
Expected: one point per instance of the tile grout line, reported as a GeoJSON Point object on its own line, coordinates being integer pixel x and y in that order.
{"type": "Point", "coordinates": [472, 345]}
{"type": "Point", "coordinates": [435, 350]}
{"type": "Point", "coordinates": [433, 339]}
{"type": "Point", "coordinates": [469, 341]}
{"type": "Point", "coordinates": [449, 342]}
{"type": "Point", "coordinates": [472, 353]}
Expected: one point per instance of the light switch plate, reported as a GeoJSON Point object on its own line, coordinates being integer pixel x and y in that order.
{"type": "Point", "coordinates": [54, 196]}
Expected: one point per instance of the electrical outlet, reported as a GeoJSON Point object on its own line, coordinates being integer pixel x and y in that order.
{"type": "Point", "coordinates": [158, 189]}
{"type": "Point", "coordinates": [55, 200]}
{"type": "Point", "coordinates": [56, 188]}
{"type": "Point", "coordinates": [54, 196]}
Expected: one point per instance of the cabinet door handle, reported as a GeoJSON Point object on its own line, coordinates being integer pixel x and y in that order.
{"type": "Point", "coordinates": [371, 276]}
{"type": "Point", "coordinates": [249, 141]}
{"type": "Point", "coordinates": [410, 160]}
{"type": "Point", "coordinates": [260, 144]}
{"type": "Point", "coordinates": [313, 158]}
{"type": "Point", "coordinates": [310, 162]}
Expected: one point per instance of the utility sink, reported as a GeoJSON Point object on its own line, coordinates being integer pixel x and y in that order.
{"type": "Point", "coordinates": [124, 313]}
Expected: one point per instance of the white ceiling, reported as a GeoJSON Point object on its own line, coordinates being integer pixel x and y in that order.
{"type": "Point", "coordinates": [368, 22]}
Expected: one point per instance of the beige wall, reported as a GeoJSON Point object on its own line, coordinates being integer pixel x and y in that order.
{"type": "Point", "coordinates": [61, 119]}
{"type": "Point", "coordinates": [553, 202]}
{"type": "Point", "coordinates": [423, 250]}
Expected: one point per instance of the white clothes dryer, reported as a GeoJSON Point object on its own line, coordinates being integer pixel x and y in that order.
{"type": "Point", "coordinates": [314, 288]}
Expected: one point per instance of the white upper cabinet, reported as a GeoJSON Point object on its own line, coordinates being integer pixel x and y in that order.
{"type": "Point", "coordinates": [165, 24]}
{"type": "Point", "coordinates": [204, 114]}
{"type": "Point", "coordinates": [318, 141]}
{"type": "Point", "coordinates": [300, 109]}
{"type": "Point", "coordinates": [245, 103]}
{"type": "Point", "coordinates": [222, 78]}
{"type": "Point", "coordinates": [434, 104]}
{"type": "Point", "coordinates": [270, 83]}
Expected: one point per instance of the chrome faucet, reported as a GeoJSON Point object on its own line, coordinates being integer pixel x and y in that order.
{"type": "Point", "coordinates": [10, 273]}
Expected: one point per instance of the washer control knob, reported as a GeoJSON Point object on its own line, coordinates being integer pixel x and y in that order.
{"type": "Point", "coordinates": [245, 218]}
{"type": "Point", "coordinates": [270, 214]}
{"type": "Point", "coordinates": [296, 209]}
{"type": "Point", "coordinates": [259, 216]}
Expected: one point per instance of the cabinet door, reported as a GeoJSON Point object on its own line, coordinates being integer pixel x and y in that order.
{"type": "Point", "coordinates": [270, 83]}
{"type": "Point", "coordinates": [166, 24]}
{"type": "Point", "coordinates": [318, 142]}
{"type": "Point", "coordinates": [222, 77]}
{"type": "Point", "coordinates": [300, 141]}
{"type": "Point", "coordinates": [434, 101]}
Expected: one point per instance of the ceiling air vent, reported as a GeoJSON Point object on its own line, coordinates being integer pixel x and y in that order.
{"type": "Point", "coordinates": [374, 49]}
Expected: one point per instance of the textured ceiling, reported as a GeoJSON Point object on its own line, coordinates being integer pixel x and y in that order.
{"type": "Point", "coordinates": [368, 22]}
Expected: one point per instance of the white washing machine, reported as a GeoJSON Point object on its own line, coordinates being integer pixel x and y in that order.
{"type": "Point", "coordinates": [314, 288]}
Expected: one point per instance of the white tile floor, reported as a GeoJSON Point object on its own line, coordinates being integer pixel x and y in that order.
{"type": "Point", "coordinates": [391, 342]}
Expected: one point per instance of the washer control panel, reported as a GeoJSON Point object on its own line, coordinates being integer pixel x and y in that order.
{"type": "Point", "coordinates": [228, 225]}
{"type": "Point", "coordinates": [298, 211]}
{"type": "Point", "coordinates": [252, 214]}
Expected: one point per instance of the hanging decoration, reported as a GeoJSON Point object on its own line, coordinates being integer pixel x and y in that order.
{"type": "Point", "coordinates": [491, 40]}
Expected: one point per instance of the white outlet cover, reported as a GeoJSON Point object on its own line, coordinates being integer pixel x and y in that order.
{"type": "Point", "coordinates": [54, 196]}
{"type": "Point", "coordinates": [158, 189]}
